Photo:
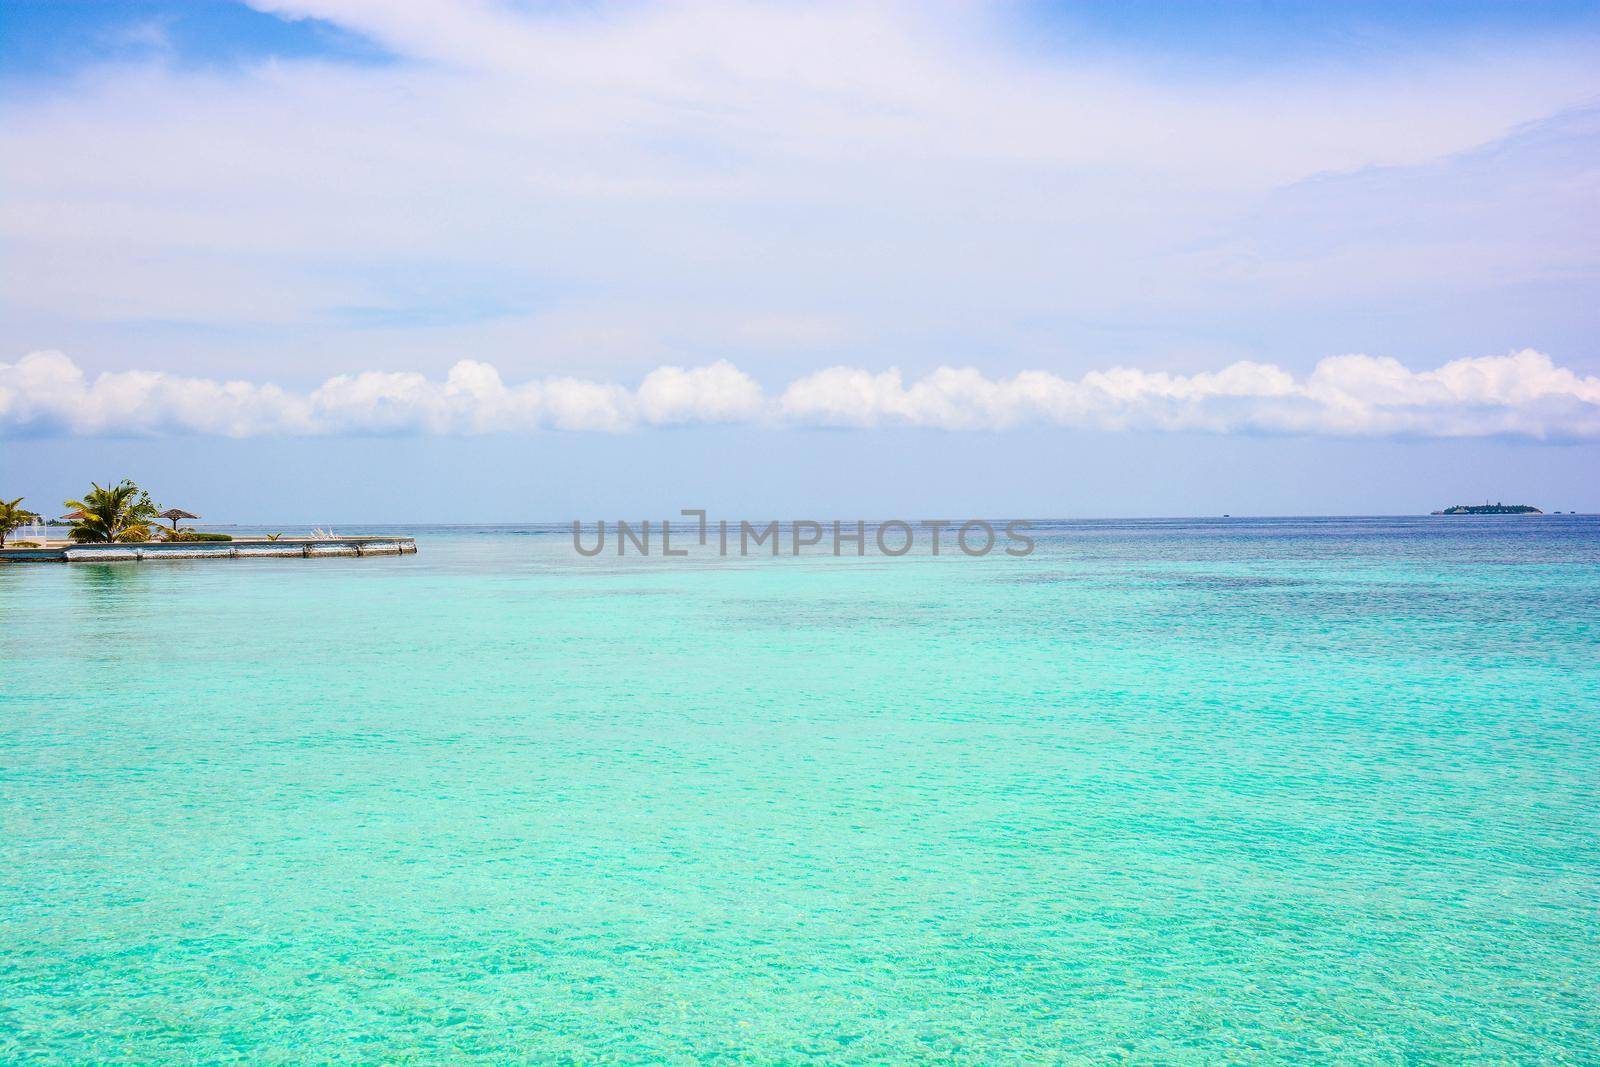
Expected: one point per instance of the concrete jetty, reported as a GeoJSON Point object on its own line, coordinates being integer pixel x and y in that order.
{"type": "Point", "coordinates": [239, 548]}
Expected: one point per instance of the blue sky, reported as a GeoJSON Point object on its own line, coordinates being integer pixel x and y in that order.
{"type": "Point", "coordinates": [47, 41]}
{"type": "Point", "coordinates": [1299, 257]}
{"type": "Point", "coordinates": [56, 38]}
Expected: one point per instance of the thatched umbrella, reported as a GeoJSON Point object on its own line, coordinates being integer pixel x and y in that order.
{"type": "Point", "coordinates": [175, 514]}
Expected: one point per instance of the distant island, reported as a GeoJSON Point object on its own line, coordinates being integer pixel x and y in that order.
{"type": "Point", "coordinates": [1491, 509]}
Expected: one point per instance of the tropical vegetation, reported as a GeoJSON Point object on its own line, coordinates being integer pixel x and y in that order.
{"type": "Point", "coordinates": [195, 535]}
{"type": "Point", "coordinates": [13, 516]}
{"type": "Point", "coordinates": [122, 512]}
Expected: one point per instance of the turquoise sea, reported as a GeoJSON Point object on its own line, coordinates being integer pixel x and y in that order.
{"type": "Point", "coordinates": [1239, 791]}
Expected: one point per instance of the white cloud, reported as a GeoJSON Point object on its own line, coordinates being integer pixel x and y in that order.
{"type": "Point", "coordinates": [1524, 394]}
{"type": "Point", "coordinates": [718, 393]}
{"type": "Point", "coordinates": [766, 182]}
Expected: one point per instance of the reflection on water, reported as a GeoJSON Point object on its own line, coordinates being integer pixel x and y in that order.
{"type": "Point", "coordinates": [107, 579]}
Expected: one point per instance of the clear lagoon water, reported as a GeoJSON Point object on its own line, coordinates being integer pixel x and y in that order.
{"type": "Point", "coordinates": [1164, 792]}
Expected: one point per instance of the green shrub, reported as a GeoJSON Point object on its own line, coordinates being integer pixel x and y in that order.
{"type": "Point", "coordinates": [196, 535]}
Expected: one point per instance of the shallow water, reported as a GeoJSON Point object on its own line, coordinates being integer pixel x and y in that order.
{"type": "Point", "coordinates": [1162, 791]}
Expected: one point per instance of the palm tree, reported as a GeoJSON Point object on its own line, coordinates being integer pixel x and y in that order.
{"type": "Point", "coordinates": [12, 516]}
{"type": "Point", "coordinates": [120, 513]}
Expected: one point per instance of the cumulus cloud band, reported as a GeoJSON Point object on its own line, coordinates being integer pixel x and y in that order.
{"type": "Point", "coordinates": [1523, 394]}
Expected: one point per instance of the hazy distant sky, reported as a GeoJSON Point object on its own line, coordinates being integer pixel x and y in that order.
{"type": "Point", "coordinates": [335, 260]}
